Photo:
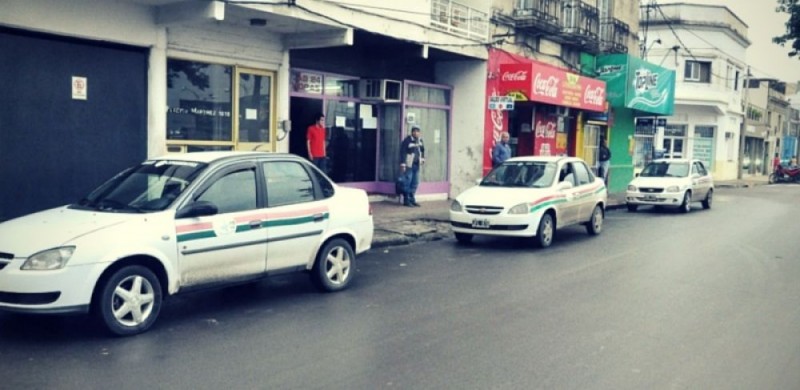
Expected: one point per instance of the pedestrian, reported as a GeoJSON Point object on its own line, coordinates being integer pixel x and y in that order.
{"type": "Point", "coordinates": [412, 156]}
{"type": "Point", "coordinates": [315, 140]}
{"type": "Point", "coordinates": [604, 158]}
{"type": "Point", "coordinates": [776, 162]}
{"type": "Point", "coordinates": [501, 151]}
{"type": "Point", "coordinates": [793, 161]}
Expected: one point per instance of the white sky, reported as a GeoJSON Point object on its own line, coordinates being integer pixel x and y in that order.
{"type": "Point", "coordinates": [765, 58]}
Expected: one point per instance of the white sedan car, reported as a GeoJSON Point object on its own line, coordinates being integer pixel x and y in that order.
{"type": "Point", "coordinates": [180, 222]}
{"type": "Point", "coordinates": [531, 197]}
{"type": "Point", "coordinates": [675, 183]}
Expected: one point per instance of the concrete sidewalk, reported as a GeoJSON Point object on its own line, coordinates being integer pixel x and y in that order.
{"type": "Point", "coordinates": [396, 224]}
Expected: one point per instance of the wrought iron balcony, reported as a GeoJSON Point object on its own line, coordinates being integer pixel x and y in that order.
{"type": "Point", "coordinates": [459, 19]}
{"type": "Point", "coordinates": [538, 15]}
{"type": "Point", "coordinates": [614, 36]}
{"type": "Point", "coordinates": [580, 24]}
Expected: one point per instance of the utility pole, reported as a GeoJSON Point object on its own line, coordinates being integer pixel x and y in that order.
{"type": "Point", "coordinates": [743, 125]}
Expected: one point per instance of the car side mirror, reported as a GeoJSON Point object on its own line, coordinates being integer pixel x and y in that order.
{"type": "Point", "coordinates": [197, 209]}
{"type": "Point", "coordinates": [564, 185]}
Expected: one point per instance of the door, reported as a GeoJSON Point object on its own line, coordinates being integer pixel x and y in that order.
{"type": "Point", "coordinates": [230, 245]}
{"type": "Point", "coordinates": [568, 211]}
{"type": "Point", "coordinates": [295, 218]}
{"type": "Point", "coordinates": [701, 182]}
{"type": "Point", "coordinates": [584, 191]}
{"type": "Point", "coordinates": [255, 121]}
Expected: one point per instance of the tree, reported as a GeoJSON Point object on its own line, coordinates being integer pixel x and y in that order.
{"type": "Point", "coordinates": [792, 35]}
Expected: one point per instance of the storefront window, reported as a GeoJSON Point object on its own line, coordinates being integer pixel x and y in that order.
{"type": "Point", "coordinates": [199, 101]}
{"type": "Point", "coordinates": [254, 107]}
{"type": "Point", "coordinates": [703, 145]}
{"type": "Point", "coordinates": [434, 125]}
{"type": "Point", "coordinates": [340, 86]}
{"type": "Point", "coordinates": [428, 95]}
{"type": "Point", "coordinates": [391, 129]}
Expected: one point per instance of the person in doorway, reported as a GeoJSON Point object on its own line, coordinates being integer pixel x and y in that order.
{"type": "Point", "coordinates": [501, 151]}
{"type": "Point", "coordinates": [412, 156]}
{"type": "Point", "coordinates": [793, 162]}
{"type": "Point", "coordinates": [603, 160]}
{"type": "Point", "coordinates": [315, 141]}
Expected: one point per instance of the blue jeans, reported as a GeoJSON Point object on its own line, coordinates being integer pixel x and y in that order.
{"type": "Point", "coordinates": [321, 163]}
{"type": "Point", "coordinates": [412, 174]}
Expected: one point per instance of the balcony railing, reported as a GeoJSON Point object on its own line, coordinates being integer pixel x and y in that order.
{"type": "Point", "coordinates": [538, 15]}
{"type": "Point", "coordinates": [614, 36]}
{"type": "Point", "coordinates": [459, 19]}
{"type": "Point", "coordinates": [580, 24]}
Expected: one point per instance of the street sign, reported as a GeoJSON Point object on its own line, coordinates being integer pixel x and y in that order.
{"type": "Point", "coordinates": [501, 103]}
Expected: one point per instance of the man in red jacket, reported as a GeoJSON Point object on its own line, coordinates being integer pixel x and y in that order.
{"type": "Point", "coordinates": [315, 140]}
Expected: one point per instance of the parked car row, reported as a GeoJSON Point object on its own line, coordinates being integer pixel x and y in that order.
{"type": "Point", "coordinates": [186, 221]}
{"type": "Point", "coordinates": [534, 196]}
{"type": "Point", "coordinates": [177, 223]}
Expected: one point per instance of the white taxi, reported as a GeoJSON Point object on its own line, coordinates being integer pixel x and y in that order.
{"type": "Point", "coordinates": [531, 197]}
{"type": "Point", "coordinates": [674, 183]}
{"type": "Point", "coordinates": [180, 222]}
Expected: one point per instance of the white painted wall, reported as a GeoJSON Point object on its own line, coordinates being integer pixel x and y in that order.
{"type": "Point", "coordinates": [466, 140]}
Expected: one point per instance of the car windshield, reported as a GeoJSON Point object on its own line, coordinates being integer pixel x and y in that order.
{"type": "Point", "coordinates": [665, 169]}
{"type": "Point", "coordinates": [531, 174]}
{"type": "Point", "coordinates": [151, 186]}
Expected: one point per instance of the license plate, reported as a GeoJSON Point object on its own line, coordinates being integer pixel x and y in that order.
{"type": "Point", "coordinates": [649, 197]}
{"type": "Point", "coordinates": [480, 223]}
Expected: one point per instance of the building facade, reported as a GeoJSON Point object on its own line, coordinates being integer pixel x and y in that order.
{"type": "Point", "coordinates": [96, 86]}
{"type": "Point", "coordinates": [706, 46]}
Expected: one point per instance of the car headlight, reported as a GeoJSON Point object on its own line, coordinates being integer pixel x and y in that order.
{"type": "Point", "coordinates": [521, 208]}
{"type": "Point", "coordinates": [455, 206]}
{"type": "Point", "coordinates": [50, 259]}
{"type": "Point", "coordinates": [673, 189]}
{"type": "Point", "coordinates": [632, 188]}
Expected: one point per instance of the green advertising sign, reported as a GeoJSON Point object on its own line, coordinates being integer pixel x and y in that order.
{"type": "Point", "coordinates": [637, 84]}
{"type": "Point", "coordinates": [651, 88]}
{"type": "Point", "coordinates": [613, 69]}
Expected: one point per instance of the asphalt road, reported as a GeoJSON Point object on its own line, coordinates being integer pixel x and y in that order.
{"type": "Point", "coordinates": [660, 300]}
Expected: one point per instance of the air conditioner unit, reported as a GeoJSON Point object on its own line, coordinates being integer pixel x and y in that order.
{"type": "Point", "coordinates": [380, 89]}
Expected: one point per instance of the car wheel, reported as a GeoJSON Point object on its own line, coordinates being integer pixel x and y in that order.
{"type": "Point", "coordinates": [334, 266]}
{"type": "Point", "coordinates": [595, 225]}
{"type": "Point", "coordinates": [686, 206]}
{"type": "Point", "coordinates": [546, 231]}
{"type": "Point", "coordinates": [708, 199]}
{"type": "Point", "coordinates": [633, 207]}
{"type": "Point", "coordinates": [464, 238]}
{"type": "Point", "coordinates": [130, 300]}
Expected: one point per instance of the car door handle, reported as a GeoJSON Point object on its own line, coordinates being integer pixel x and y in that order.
{"type": "Point", "coordinates": [255, 224]}
{"type": "Point", "coordinates": [318, 217]}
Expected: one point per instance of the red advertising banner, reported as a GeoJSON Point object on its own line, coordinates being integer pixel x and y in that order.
{"type": "Point", "coordinates": [542, 83]}
{"type": "Point", "coordinates": [544, 136]}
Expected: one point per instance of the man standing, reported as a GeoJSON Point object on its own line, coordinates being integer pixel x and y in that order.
{"type": "Point", "coordinates": [501, 151]}
{"type": "Point", "coordinates": [412, 156]}
{"type": "Point", "coordinates": [315, 140]}
{"type": "Point", "coordinates": [604, 158]}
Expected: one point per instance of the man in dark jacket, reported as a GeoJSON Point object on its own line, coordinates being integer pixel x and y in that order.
{"type": "Point", "coordinates": [412, 156]}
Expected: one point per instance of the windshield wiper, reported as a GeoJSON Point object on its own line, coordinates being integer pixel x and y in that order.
{"type": "Point", "coordinates": [114, 205]}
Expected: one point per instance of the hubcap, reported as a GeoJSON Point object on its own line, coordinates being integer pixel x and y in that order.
{"type": "Point", "coordinates": [337, 265]}
{"type": "Point", "coordinates": [597, 218]}
{"type": "Point", "coordinates": [133, 300]}
{"type": "Point", "coordinates": [547, 232]}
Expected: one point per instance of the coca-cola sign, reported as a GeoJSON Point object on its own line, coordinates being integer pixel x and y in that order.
{"type": "Point", "coordinates": [545, 86]}
{"type": "Point", "coordinates": [538, 82]}
{"type": "Point", "coordinates": [519, 75]}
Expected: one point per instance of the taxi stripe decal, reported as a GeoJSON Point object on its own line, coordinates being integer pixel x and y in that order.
{"type": "Point", "coordinates": [556, 199]}
{"type": "Point", "coordinates": [195, 231]}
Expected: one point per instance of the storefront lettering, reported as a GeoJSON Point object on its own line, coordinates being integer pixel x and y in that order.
{"type": "Point", "coordinates": [519, 75]}
{"type": "Point", "coordinates": [645, 80]}
{"type": "Point", "coordinates": [594, 96]}
{"type": "Point", "coordinates": [545, 86]}
{"type": "Point", "coordinates": [199, 111]}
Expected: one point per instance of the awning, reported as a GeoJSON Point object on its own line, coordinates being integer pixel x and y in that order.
{"type": "Point", "coordinates": [542, 83]}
